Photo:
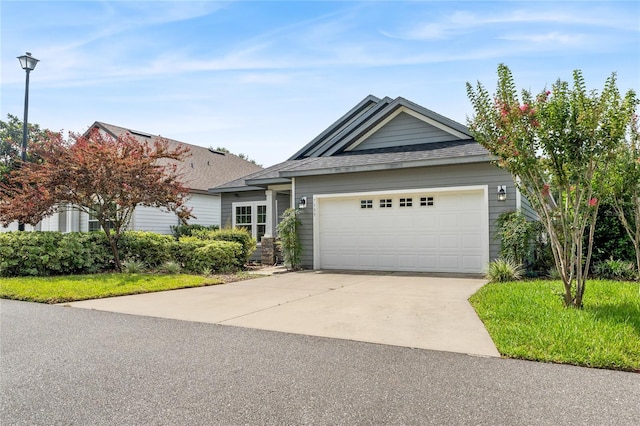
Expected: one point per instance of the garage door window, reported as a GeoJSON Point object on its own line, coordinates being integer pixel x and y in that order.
{"type": "Point", "coordinates": [251, 216]}
{"type": "Point", "coordinates": [366, 204]}
{"type": "Point", "coordinates": [386, 203]}
{"type": "Point", "coordinates": [426, 202]}
{"type": "Point", "coordinates": [406, 202]}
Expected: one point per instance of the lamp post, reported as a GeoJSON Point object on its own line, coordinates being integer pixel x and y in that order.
{"type": "Point", "coordinates": [28, 63]}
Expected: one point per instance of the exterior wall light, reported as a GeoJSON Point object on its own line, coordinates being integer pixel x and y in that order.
{"type": "Point", "coordinates": [502, 193]}
{"type": "Point", "coordinates": [303, 203]}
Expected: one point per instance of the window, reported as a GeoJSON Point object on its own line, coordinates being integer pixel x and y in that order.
{"type": "Point", "coordinates": [406, 202]}
{"type": "Point", "coordinates": [426, 201]}
{"type": "Point", "coordinates": [251, 216]}
{"type": "Point", "coordinates": [94, 225]}
{"type": "Point", "coordinates": [386, 203]}
{"type": "Point", "coordinates": [366, 204]}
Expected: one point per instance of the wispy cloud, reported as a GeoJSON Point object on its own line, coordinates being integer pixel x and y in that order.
{"type": "Point", "coordinates": [464, 22]}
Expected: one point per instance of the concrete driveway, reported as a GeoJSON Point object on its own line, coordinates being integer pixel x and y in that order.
{"type": "Point", "coordinates": [393, 309]}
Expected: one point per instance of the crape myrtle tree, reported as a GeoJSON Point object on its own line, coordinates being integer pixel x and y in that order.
{"type": "Point", "coordinates": [623, 183]}
{"type": "Point", "coordinates": [97, 174]}
{"type": "Point", "coordinates": [556, 144]}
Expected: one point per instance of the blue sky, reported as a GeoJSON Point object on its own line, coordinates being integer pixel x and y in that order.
{"type": "Point", "coordinates": [263, 78]}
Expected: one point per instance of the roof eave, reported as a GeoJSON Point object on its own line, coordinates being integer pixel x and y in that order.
{"type": "Point", "coordinates": [484, 158]}
{"type": "Point", "coordinates": [234, 189]}
{"type": "Point", "coordinates": [268, 181]}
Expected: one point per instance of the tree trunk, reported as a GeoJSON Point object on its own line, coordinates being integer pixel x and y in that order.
{"type": "Point", "coordinates": [113, 243]}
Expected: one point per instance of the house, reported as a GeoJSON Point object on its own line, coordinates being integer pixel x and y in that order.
{"type": "Point", "coordinates": [202, 169]}
{"type": "Point", "coordinates": [390, 186]}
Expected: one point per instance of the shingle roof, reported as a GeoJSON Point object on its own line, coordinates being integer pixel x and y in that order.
{"type": "Point", "coordinates": [397, 157]}
{"type": "Point", "coordinates": [428, 154]}
{"type": "Point", "coordinates": [328, 153]}
{"type": "Point", "coordinates": [202, 168]}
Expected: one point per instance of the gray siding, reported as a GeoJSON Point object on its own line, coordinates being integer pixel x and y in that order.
{"type": "Point", "coordinates": [226, 212]}
{"type": "Point", "coordinates": [404, 129]}
{"type": "Point", "coordinates": [427, 177]}
{"type": "Point", "coordinates": [284, 202]}
{"type": "Point", "coordinates": [527, 210]}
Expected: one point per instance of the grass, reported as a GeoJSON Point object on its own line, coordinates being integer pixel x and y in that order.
{"type": "Point", "coordinates": [71, 288]}
{"type": "Point", "coordinates": [527, 320]}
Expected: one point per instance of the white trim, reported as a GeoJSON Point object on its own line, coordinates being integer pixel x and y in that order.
{"type": "Point", "coordinates": [254, 215]}
{"type": "Point", "coordinates": [269, 229]}
{"type": "Point", "coordinates": [293, 193]}
{"type": "Point", "coordinates": [412, 113]}
{"type": "Point", "coordinates": [280, 187]}
{"type": "Point", "coordinates": [317, 198]}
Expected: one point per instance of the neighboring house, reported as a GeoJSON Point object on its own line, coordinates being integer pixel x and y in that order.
{"type": "Point", "coordinates": [390, 186]}
{"type": "Point", "coordinates": [202, 169]}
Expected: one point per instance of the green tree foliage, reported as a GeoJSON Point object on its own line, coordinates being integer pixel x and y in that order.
{"type": "Point", "coordinates": [556, 144]}
{"type": "Point", "coordinates": [624, 186]}
{"type": "Point", "coordinates": [11, 141]}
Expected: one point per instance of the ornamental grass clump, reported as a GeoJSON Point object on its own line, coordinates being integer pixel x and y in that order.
{"type": "Point", "coordinates": [504, 270]}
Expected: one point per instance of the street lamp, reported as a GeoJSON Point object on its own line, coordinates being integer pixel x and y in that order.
{"type": "Point", "coordinates": [28, 63]}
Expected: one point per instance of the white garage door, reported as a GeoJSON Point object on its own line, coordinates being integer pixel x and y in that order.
{"type": "Point", "coordinates": [417, 231]}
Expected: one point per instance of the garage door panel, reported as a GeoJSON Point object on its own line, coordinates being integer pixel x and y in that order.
{"type": "Point", "coordinates": [448, 236]}
{"type": "Point", "coordinates": [471, 242]}
{"type": "Point", "coordinates": [449, 241]}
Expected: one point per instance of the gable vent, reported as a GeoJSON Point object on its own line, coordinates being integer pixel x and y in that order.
{"type": "Point", "coordinates": [144, 135]}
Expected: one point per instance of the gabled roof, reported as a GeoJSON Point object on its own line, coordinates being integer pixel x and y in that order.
{"type": "Point", "coordinates": [366, 118]}
{"type": "Point", "coordinates": [346, 145]}
{"type": "Point", "coordinates": [202, 168]}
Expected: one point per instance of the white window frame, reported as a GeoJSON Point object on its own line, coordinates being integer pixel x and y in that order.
{"type": "Point", "coordinates": [254, 216]}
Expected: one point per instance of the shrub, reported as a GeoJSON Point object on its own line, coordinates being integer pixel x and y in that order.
{"type": "Point", "coordinates": [503, 270]}
{"type": "Point", "coordinates": [516, 234]}
{"type": "Point", "coordinates": [289, 241]}
{"type": "Point", "coordinates": [240, 236]}
{"type": "Point", "coordinates": [83, 252]}
{"type": "Point", "coordinates": [179, 231]}
{"type": "Point", "coordinates": [148, 247]}
{"type": "Point", "coordinates": [52, 253]}
{"type": "Point", "coordinates": [614, 269]}
{"type": "Point", "coordinates": [211, 255]}
{"type": "Point", "coordinates": [610, 240]}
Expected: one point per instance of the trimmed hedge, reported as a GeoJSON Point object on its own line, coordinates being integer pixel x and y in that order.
{"type": "Point", "coordinates": [215, 256]}
{"type": "Point", "coordinates": [52, 253]}
{"type": "Point", "coordinates": [147, 247]}
{"type": "Point", "coordinates": [180, 231]}
{"type": "Point", "coordinates": [55, 253]}
{"type": "Point", "coordinates": [237, 235]}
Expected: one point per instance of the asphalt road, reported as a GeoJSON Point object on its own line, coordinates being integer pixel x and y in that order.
{"type": "Point", "coordinates": [68, 366]}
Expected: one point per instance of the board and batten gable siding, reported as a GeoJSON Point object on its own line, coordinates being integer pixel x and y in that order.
{"type": "Point", "coordinates": [394, 180]}
{"type": "Point", "coordinates": [404, 129]}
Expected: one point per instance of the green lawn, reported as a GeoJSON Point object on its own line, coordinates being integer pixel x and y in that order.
{"type": "Point", "coordinates": [81, 287]}
{"type": "Point", "coordinates": [527, 320]}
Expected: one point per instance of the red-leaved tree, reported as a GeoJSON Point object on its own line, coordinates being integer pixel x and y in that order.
{"type": "Point", "coordinates": [102, 176]}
